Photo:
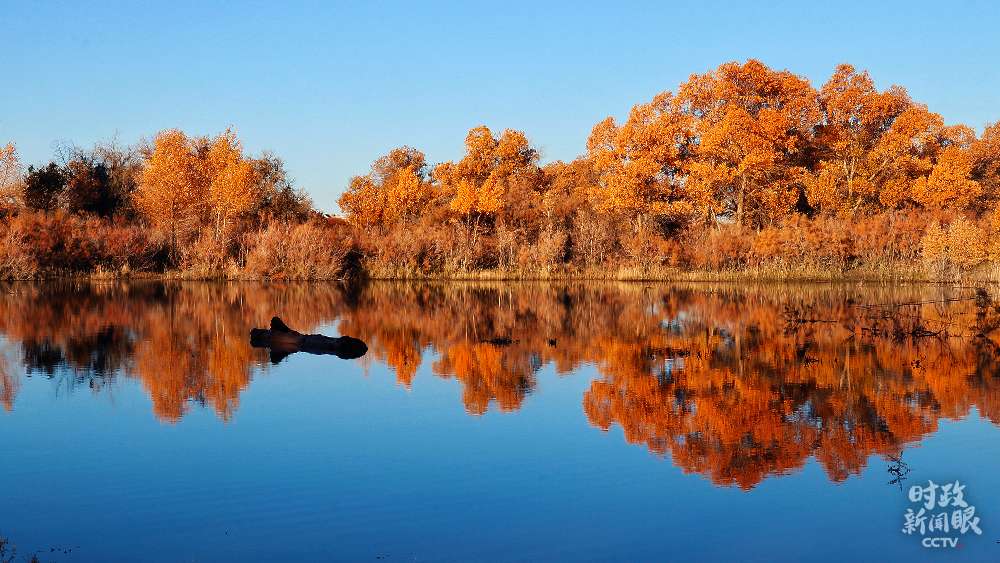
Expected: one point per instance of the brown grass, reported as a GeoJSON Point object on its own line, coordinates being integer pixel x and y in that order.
{"type": "Point", "coordinates": [912, 245]}
{"type": "Point", "coordinates": [300, 252]}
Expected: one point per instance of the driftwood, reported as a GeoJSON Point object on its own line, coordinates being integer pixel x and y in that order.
{"type": "Point", "coordinates": [282, 341]}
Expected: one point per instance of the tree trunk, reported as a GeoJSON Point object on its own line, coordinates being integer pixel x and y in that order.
{"type": "Point", "coordinates": [739, 201]}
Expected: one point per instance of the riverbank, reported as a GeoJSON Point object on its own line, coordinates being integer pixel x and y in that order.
{"type": "Point", "coordinates": [914, 248]}
{"type": "Point", "coordinates": [986, 273]}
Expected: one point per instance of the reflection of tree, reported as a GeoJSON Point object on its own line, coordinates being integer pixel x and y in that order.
{"type": "Point", "coordinates": [184, 342]}
{"type": "Point", "coordinates": [210, 365]}
{"type": "Point", "coordinates": [734, 383]}
{"type": "Point", "coordinates": [491, 338]}
{"type": "Point", "coordinates": [738, 396]}
{"type": "Point", "coordinates": [488, 376]}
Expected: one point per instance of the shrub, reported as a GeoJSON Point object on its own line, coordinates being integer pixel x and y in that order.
{"type": "Point", "coordinates": [299, 252]}
{"type": "Point", "coordinates": [594, 238]}
{"type": "Point", "coordinates": [17, 261]}
{"type": "Point", "coordinates": [963, 244]}
{"type": "Point", "coordinates": [725, 246]}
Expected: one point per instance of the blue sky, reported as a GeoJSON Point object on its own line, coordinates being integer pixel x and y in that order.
{"type": "Point", "coordinates": [330, 87]}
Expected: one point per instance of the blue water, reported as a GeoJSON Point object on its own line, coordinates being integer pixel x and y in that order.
{"type": "Point", "coordinates": [331, 460]}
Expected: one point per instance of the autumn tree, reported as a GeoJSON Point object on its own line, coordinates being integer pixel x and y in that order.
{"type": "Point", "coordinates": [278, 199]}
{"type": "Point", "coordinates": [878, 150]}
{"type": "Point", "coordinates": [190, 181]}
{"type": "Point", "coordinates": [904, 154]}
{"type": "Point", "coordinates": [123, 165]}
{"type": "Point", "coordinates": [96, 182]}
{"type": "Point", "coordinates": [640, 162]}
{"type": "Point", "coordinates": [395, 190]}
{"type": "Point", "coordinates": [88, 187]}
{"type": "Point", "coordinates": [232, 188]}
{"type": "Point", "coordinates": [174, 183]}
{"type": "Point", "coordinates": [855, 142]}
{"type": "Point", "coordinates": [568, 188]}
{"type": "Point", "coordinates": [949, 183]}
{"type": "Point", "coordinates": [985, 156]}
{"type": "Point", "coordinates": [569, 224]}
{"type": "Point", "coordinates": [480, 183]}
{"type": "Point", "coordinates": [749, 128]}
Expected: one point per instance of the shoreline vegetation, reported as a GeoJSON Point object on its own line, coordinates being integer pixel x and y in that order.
{"type": "Point", "coordinates": [744, 174]}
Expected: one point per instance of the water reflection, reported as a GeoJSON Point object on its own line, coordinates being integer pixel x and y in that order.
{"type": "Point", "coordinates": [185, 342]}
{"type": "Point", "coordinates": [735, 383]}
{"type": "Point", "coordinates": [742, 384]}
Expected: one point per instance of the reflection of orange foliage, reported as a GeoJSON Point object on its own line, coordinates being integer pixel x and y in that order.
{"type": "Point", "coordinates": [749, 390]}
{"type": "Point", "coordinates": [400, 352]}
{"type": "Point", "coordinates": [483, 369]}
{"type": "Point", "coordinates": [737, 385]}
{"type": "Point", "coordinates": [184, 342]}
{"type": "Point", "coordinates": [176, 366]}
{"type": "Point", "coordinates": [734, 383]}
{"type": "Point", "coordinates": [490, 339]}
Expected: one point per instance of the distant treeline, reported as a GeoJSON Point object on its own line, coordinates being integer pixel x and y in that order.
{"type": "Point", "coordinates": [190, 206]}
{"type": "Point", "coordinates": [744, 171]}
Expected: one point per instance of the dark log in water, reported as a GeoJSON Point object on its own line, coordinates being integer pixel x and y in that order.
{"type": "Point", "coordinates": [282, 341]}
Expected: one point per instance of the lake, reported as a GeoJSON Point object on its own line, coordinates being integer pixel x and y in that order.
{"type": "Point", "coordinates": [500, 422]}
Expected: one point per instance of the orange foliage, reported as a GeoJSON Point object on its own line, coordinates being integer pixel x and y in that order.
{"type": "Point", "coordinates": [173, 184]}
{"type": "Point", "coordinates": [640, 162]}
{"type": "Point", "coordinates": [750, 126]}
{"type": "Point", "coordinates": [744, 167]}
{"type": "Point", "coordinates": [985, 155]}
{"type": "Point", "coordinates": [731, 141]}
{"type": "Point", "coordinates": [963, 243]}
{"type": "Point", "coordinates": [857, 159]}
{"type": "Point", "coordinates": [394, 191]}
{"type": "Point", "coordinates": [479, 182]}
{"type": "Point", "coordinates": [949, 183]}
{"type": "Point", "coordinates": [187, 180]}
{"type": "Point", "coordinates": [232, 179]}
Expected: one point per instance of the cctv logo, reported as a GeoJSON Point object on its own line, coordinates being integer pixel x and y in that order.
{"type": "Point", "coordinates": [933, 542]}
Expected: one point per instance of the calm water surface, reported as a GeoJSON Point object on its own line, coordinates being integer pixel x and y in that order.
{"type": "Point", "coordinates": [535, 422]}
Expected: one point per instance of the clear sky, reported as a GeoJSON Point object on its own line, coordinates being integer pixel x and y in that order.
{"type": "Point", "coordinates": [331, 86]}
